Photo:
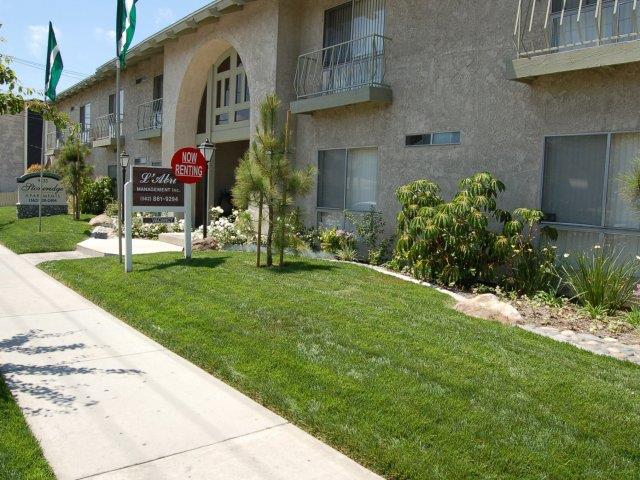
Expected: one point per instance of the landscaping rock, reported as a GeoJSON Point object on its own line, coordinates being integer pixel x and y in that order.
{"type": "Point", "coordinates": [101, 221]}
{"type": "Point", "coordinates": [103, 233]}
{"type": "Point", "coordinates": [205, 244]}
{"type": "Point", "coordinates": [489, 307]}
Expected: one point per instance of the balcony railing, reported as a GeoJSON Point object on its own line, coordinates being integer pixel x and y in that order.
{"type": "Point", "coordinates": [540, 29]}
{"type": "Point", "coordinates": [55, 140]}
{"type": "Point", "coordinates": [105, 127]}
{"type": "Point", "coordinates": [346, 66]}
{"type": "Point", "coordinates": [150, 115]}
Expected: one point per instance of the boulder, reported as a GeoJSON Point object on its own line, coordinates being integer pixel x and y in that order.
{"type": "Point", "coordinates": [489, 307]}
{"type": "Point", "coordinates": [103, 233]}
{"type": "Point", "coordinates": [205, 244]}
{"type": "Point", "coordinates": [101, 221]}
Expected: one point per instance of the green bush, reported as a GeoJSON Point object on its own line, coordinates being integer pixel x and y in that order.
{"type": "Point", "coordinates": [369, 228]}
{"type": "Point", "coordinates": [96, 196]}
{"type": "Point", "coordinates": [599, 280]}
{"type": "Point", "coordinates": [333, 240]}
{"type": "Point", "coordinates": [452, 242]}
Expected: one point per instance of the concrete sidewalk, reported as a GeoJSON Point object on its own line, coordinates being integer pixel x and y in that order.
{"type": "Point", "coordinates": [106, 402]}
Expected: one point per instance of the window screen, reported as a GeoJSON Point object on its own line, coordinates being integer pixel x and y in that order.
{"type": "Point", "coordinates": [574, 179]}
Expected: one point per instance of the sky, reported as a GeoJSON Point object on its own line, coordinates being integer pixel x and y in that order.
{"type": "Point", "coordinates": [85, 30]}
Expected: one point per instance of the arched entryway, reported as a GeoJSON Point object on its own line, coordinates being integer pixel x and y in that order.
{"type": "Point", "coordinates": [224, 117]}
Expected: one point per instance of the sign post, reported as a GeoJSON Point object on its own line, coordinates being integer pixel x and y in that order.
{"type": "Point", "coordinates": [151, 190]}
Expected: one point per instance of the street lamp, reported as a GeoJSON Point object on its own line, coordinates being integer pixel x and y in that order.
{"type": "Point", "coordinates": [208, 151]}
{"type": "Point", "coordinates": [124, 163]}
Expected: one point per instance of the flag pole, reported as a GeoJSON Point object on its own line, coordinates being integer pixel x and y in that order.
{"type": "Point", "coordinates": [120, 179]}
{"type": "Point", "coordinates": [42, 154]}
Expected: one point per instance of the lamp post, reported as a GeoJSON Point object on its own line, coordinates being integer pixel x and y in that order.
{"type": "Point", "coordinates": [124, 163]}
{"type": "Point", "coordinates": [208, 151]}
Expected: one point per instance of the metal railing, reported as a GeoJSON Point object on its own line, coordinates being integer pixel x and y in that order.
{"type": "Point", "coordinates": [105, 127]}
{"type": "Point", "coordinates": [150, 115]}
{"type": "Point", "coordinates": [85, 133]}
{"type": "Point", "coordinates": [55, 140]}
{"type": "Point", "coordinates": [345, 66]}
{"type": "Point", "coordinates": [541, 29]}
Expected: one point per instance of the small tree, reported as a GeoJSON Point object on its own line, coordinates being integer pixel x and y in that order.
{"type": "Point", "coordinates": [266, 177]}
{"type": "Point", "coordinates": [74, 171]}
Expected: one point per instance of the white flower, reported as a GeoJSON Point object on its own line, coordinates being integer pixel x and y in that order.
{"type": "Point", "coordinates": [566, 255]}
{"type": "Point", "coordinates": [597, 247]}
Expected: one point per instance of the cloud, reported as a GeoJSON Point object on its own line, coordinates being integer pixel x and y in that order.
{"type": "Point", "coordinates": [104, 35]}
{"type": "Point", "coordinates": [37, 37]}
{"type": "Point", "coordinates": [164, 16]}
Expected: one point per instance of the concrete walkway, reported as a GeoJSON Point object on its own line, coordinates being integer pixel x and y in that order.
{"type": "Point", "coordinates": [109, 247]}
{"type": "Point", "coordinates": [106, 402]}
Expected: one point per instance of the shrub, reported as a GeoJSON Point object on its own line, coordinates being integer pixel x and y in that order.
{"type": "Point", "coordinates": [111, 209]}
{"type": "Point", "coordinates": [369, 227]}
{"type": "Point", "coordinates": [451, 242]}
{"type": "Point", "coordinates": [529, 268]}
{"type": "Point", "coordinates": [633, 317]}
{"type": "Point", "coordinates": [35, 168]}
{"type": "Point", "coordinates": [97, 195]}
{"type": "Point", "coordinates": [601, 280]}
{"type": "Point", "coordinates": [333, 240]}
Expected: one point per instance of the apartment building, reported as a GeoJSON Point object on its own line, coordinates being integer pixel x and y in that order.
{"type": "Point", "coordinates": [21, 140]}
{"type": "Point", "coordinates": [542, 93]}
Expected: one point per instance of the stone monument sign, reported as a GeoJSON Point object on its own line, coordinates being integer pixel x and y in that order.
{"type": "Point", "coordinates": [54, 197]}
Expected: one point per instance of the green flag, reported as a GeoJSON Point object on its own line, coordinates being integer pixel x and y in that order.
{"type": "Point", "coordinates": [54, 66]}
{"type": "Point", "coordinates": [125, 28]}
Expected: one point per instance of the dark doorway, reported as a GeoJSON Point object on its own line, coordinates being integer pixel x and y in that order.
{"type": "Point", "coordinates": [228, 157]}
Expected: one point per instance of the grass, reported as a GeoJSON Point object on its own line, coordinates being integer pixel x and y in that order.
{"type": "Point", "coordinates": [381, 369]}
{"type": "Point", "coordinates": [60, 233]}
{"type": "Point", "coordinates": [20, 454]}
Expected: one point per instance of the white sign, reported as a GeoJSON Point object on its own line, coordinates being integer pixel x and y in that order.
{"type": "Point", "coordinates": [53, 192]}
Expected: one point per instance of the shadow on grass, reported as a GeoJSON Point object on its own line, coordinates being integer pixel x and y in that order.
{"type": "Point", "coordinates": [206, 262]}
{"type": "Point", "coordinates": [300, 266]}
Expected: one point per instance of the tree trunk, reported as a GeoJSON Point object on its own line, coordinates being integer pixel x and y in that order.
{"type": "Point", "coordinates": [270, 237]}
{"type": "Point", "coordinates": [77, 199]}
{"type": "Point", "coordinates": [259, 239]}
{"type": "Point", "coordinates": [283, 229]}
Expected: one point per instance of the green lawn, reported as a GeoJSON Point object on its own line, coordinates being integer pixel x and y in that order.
{"type": "Point", "coordinates": [60, 233]}
{"type": "Point", "coordinates": [20, 454]}
{"type": "Point", "coordinates": [381, 369]}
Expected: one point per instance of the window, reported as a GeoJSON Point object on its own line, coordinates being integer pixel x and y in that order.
{"type": "Point", "coordinates": [347, 180]}
{"type": "Point", "coordinates": [85, 122]}
{"type": "Point", "coordinates": [140, 161]}
{"type": "Point", "coordinates": [158, 86]}
{"type": "Point", "coordinates": [581, 183]}
{"type": "Point", "coordinates": [112, 103]}
{"type": "Point", "coordinates": [443, 138]}
{"type": "Point", "coordinates": [231, 93]}
{"type": "Point", "coordinates": [353, 20]}
{"type": "Point", "coordinates": [112, 171]}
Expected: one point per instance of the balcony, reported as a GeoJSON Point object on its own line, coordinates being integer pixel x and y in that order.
{"type": "Point", "coordinates": [150, 120]}
{"type": "Point", "coordinates": [104, 131]}
{"type": "Point", "coordinates": [557, 36]}
{"type": "Point", "coordinates": [54, 142]}
{"type": "Point", "coordinates": [345, 74]}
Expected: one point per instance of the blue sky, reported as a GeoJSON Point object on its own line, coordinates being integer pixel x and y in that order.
{"type": "Point", "coordinates": [85, 30]}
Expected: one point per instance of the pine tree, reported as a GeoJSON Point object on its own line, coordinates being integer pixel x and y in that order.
{"type": "Point", "coordinates": [73, 169]}
{"type": "Point", "coordinates": [265, 177]}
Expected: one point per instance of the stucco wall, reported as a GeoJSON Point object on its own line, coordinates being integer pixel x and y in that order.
{"type": "Point", "coordinates": [446, 65]}
{"type": "Point", "coordinates": [134, 95]}
{"type": "Point", "coordinates": [12, 140]}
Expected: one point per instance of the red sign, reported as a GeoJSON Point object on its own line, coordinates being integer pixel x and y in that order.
{"type": "Point", "coordinates": [189, 165]}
